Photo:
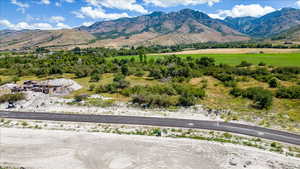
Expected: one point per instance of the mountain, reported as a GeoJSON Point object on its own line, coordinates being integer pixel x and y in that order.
{"type": "Point", "coordinates": [267, 25]}
{"type": "Point", "coordinates": [292, 35]}
{"type": "Point", "coordinates": [26, 39]}
{"type": "Point", "coordinates": [158, 28]}
{"type": "Point", "coordinates": [185, 26]}
{"type": "Point", "coordinates": [242, 24]}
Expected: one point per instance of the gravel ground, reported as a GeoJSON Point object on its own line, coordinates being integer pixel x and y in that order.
{"type": "Point", "coordinates": [48, 149]}
{"type": "Point", "coordinates": [39, 102]}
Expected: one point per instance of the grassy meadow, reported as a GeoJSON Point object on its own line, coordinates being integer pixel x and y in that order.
{"type": "Point", "coordinates": [274, 59]}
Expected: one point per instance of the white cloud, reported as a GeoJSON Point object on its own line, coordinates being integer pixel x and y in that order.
{"type": "Point", "coordinates": [98, 13]}
{"type": "Point", "coordinates": [6, 23]}
{"type": "Point", "coordinates": [298, 3]}
{"type": "Point", "coordinates": [25, 25]}
{"type": "Point", "coordinates": [62, 26]}
{"type": "Point", "coordinates": [87, 23]}
{"type": "Point", "coordinates": [170, 3]}
{"type": "Point", "coordinates": [78, 14]}
{"type": "Point", "coordinates": [22, 6]}
{"type": "Point", "coordinates": [46, 2]}
{"type": "Point", "coordinates": [130, 5]}
{"type": "Point", "coordinates": [254, 10]}
{"type": "Point", "coordinates": [57, 4]}
{"type": "Point", "coordinates": [57, 19]}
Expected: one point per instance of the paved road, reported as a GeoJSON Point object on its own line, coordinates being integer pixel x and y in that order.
{"type": "Point", "coordinates": [164, 122]}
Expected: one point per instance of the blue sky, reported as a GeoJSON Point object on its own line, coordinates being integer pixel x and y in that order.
{"type": "Point", "coordinates": [57, 14]}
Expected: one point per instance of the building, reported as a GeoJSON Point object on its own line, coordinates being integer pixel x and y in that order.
{"type": "Point", "coordinates": [35, 86]}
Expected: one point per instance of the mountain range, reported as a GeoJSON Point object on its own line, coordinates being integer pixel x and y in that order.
{"type": "Point", "coordinates": [158, 28]}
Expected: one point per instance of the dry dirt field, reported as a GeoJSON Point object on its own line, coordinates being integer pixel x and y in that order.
{"type": "Point", "coordinates": [49, 149]}
{"type": "Point", "coordinates": [236, 51]}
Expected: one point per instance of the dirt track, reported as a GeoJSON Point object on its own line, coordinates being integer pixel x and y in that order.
{"type": "Point", "coordinates": [46, 149]}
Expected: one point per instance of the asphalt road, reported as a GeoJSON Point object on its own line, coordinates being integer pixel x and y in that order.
{"type": "Point", "coordinates": [163, 122]}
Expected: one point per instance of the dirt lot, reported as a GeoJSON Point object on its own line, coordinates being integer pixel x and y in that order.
{"type": "Point", "coordinates": [48, 149]}
{"type": "Point", "coordinates": [235, 51]}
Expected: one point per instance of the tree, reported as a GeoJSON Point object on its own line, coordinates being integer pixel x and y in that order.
{"type": "Point", "coordinates": [273, 83]}
{"type": "Point", "coordinates": [206, 61]}
{"type": "Point", "coordinates": [244, 64]}
{"type": "Point", "coordinates": [187, 100]}
{"type": "Point", "coordinates": [125, 70]}
{"type": "Point", "coordinates": [95, 77]}
{"type": "Point", "coordinates": [15, 79]}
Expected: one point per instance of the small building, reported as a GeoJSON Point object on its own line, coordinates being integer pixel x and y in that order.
{"type": "Point", "coordinates": [35, 86]}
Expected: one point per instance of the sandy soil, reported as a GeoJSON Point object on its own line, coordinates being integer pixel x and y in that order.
{"type": "Point", "coordinates": [235, 51]}
{"type": "Point", "coordinates": [44, 149]}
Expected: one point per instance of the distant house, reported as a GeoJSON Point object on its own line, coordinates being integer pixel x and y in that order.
{"type": "Point", "coordinates": [35, 86]}
{"type": "Point", "coordinates": [288, 43]}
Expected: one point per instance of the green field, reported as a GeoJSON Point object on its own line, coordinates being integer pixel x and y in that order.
{"type": "Point", "coordinates": [284, 59]}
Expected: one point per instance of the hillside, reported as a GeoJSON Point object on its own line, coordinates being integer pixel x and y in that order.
{"type": "Point", "coordinates": [158, 28]}
{"type": "Point", "coordinates": [43, 38]}
{"type": "Point", "coordinates": [185, 26]}
{"type": "Point", "coordinates": [290, 35]}
{"type": "Point", "coordinates": [267, 25]}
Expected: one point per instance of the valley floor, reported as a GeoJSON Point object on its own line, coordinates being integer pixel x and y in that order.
{"type": "Point", "coordinates": [48, 149]}
{"type": "Point", "coordinates": [236, 51]}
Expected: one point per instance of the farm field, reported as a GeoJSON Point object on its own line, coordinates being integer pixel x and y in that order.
{"type": "Point", "coordinates": [274, 59]}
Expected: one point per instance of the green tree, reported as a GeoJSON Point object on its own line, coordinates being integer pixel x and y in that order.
{"type": "Point", "coordinates": [15, 79]}
{"type": "Point", "coordinates": [125, 70]}
{"type": "Point", "coordinates": [273, 83]}
{"type": "Point", "coordinates": [95, 77]}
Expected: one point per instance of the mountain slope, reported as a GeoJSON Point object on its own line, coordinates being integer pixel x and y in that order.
{"type": "Point", "coordinates": [292, 34]}
{"type": "Point", "coordinates": [159, 28]}
{"type": "Point", "coordinates": [185, 26]}
{"type": "Point", "coordinates": [268, 25]}
{"type": "Point", "coordinates": [25, 39]}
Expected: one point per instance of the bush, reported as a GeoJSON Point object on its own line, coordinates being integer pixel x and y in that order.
{"type": "Point", "coordinates": [187, 100]}
{"type": "Point", "coordinates": [244, 64]}
{"type": "Point", "coordinates": [292, 92]}
{"type": "Point", "coordinates": [79, 98]}
{"type": "Point", "coordinates": [15, 79]}
{"type": "Point", "coordinates": [95, 78]}
{"type": "Point", "coordinates": [206, 61]}
{"type": "Point", "coordinates": [236, 92]}
{"type": "Point", "coordinates": [273, 83]}
{"type": "Point", "coordinates": [12, 97]}
{"type": "Point", "coordinates": [92, 87]}
{"type": "Point", "coordinates": [261, 97]}
{"type": "Point", "coordinates": [262, 64]}
{"type": "Point", "coordinates": [154, 100]}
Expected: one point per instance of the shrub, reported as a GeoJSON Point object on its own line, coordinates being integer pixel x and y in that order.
{"type": "Point", "coordinates": [15, 79]}
{"type": "Point", "coordinates": [287, 70]}
{"type": "Point", "coordinates": [273, 83]}
{"type": "Point", "coordinates": [154, 100]}
{"type": "Point", "coordinates": [262, 64]}
{"type": "Point", "coordinates": [292, 92]}
{"type": "Point", "coordinates": [244, 64]}
{"type": "Point", "coordinates": [206, 61]}
{"type": "Point", "coordinates": [12, 97]}
{"type": "Point", "coordinates": [187, 100]}
{"type": "Point", "coordinates": [95, 78]}
{"type": "Point", "coordinates": [230, 83]}
{"type": "Point", "coordinates": [236, 92]}
{"type": "Point", "coordinates": [92, 87]}
{"type": "Point", "coordinates": [79, 98]}
{"type": "Point", "coordinates": [261, 97]}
